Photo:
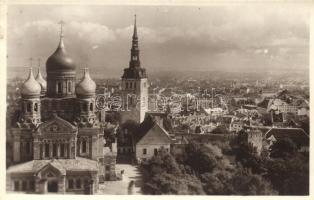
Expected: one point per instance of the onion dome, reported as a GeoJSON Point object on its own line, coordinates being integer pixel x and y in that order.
{"type": "Point", "coordinates": [42, 82]}
{"type": "Point", "coordinates": [86, 87]}
{"type": "Point", "coordinates": [60, 60]}
{"type": "Point", "coordinates": [30, 88]}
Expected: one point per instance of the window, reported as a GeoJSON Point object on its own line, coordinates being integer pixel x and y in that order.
{"type": "Point", "coordinates": [85, 106]}
{"type": "Point", "coordinates": [107, 167]}
{"type": "Point", "coordinates": [134, 85]}
{"type": "Point", "coordinates": [130, 85]}
{"type": "Point", "coordinates": [84, 146]}
{"type": "Point", "coordinates": [16, 185]}
{"type": "Point", "coordinates": [54, 150]}
{"type": "Point", "coordinates": [28, 107]}
{"type": "Point", "coordinates": [86, 182]}
{"type": "Point", "coordinates": [70, 184]}
{"type": "Point", "coordinates": [36, 107]}
{"type": "Point", "coordinates": [32, 185]}
{"type": "Point", "coordinates": [61, 150]}
{"type": "Point", "coordinates": [155, 151]}
{"type": "Point", "coordinates": [78, 183]}
{"type": "Point", "coordinates": [28, 148]}
{"type": "Point", "coordinates": [144, 151]}
{"type": "Point", "coordinates": [23, 185]}
{"type": "Point", "coordinates": [69, 87]}
{"type": "Point", "coordinates": [91, 106]}
{"type": "Point", "coordinates": [126, 85]}
{"type": "Point", "coordinates": [47, 150]}
{"type": "Point", "coordinates": [59, 88]}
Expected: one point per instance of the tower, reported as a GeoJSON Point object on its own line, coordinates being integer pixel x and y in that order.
{"type": "Point", "coordinates": [134, 85]}
{"type": "Point", "coordinates": [85, 101]}
{"type": "Point", "coordinates": [60, 72]}
{"type": "Point", "coordinates": [30, 91]}
{"type": "Point", "coordinates": [29, 119]}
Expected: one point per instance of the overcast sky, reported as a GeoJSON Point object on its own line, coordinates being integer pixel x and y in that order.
{"type": "Point", "coordinates": [232, 38]}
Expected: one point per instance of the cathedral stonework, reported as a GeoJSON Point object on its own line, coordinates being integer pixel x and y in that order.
{"type": "Point", "coordinates": [59, 144]}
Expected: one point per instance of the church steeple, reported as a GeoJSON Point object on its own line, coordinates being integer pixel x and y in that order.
{"type": "Point", "coordinates": [135, 51]}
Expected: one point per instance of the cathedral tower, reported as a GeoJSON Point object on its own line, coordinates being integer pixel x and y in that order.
{"type": "Point", "coordinates": [60, 72]}
{"type": "Point", "coordinates": [30, 91]}
{"type": "Point", "coordinates": [134, 85]}
{"type": "Point", "coordinates": [85, 101]}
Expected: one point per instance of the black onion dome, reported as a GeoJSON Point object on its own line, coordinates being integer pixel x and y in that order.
{"type": "Point", "coordinates": [60, 60]}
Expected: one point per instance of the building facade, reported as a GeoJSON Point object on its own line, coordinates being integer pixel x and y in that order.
{"type": "Point", "coordinates": [59, 144]}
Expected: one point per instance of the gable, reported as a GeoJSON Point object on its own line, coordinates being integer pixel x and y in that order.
{"type": "Point", "coordinates": [50, 170]}
{"type": "Point", "coordinates": [56, 125]}
{"type": "Point", "coordinates": [155, 135]}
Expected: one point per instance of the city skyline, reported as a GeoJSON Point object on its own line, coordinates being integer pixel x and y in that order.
{"type": "Point", "coordinates": [222, 38]}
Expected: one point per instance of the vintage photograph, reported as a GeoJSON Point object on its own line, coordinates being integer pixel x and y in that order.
{"type": "Point", "coordinates": [158, 99]}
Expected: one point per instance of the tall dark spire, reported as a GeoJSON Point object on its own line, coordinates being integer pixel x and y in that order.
{"type": "Point", "coordinates": [135, 71]}
{"type": "Point", "coordinates": [135, 29]}
{"type": "Point", "coordinates": [135, 52]}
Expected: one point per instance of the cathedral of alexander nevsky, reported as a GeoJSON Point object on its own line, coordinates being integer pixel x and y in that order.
{"type": "Point", "coordinates": [59, 142]}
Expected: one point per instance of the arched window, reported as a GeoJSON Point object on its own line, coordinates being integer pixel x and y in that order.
{"type": "Point", "coordinates": [70, 184]}
{"type": "Point", "coordinates": [69, 87]}
{"type": "Point", "coordinates": [85, 107]}
{"type": "Point", "coordinates": [36, 107]}
{"type": "Point", "coordinates": [78, 183]}
{"type": "Point", "coordinates": [84, 146]}
{"type": "Point", "coordinates": [28, 148]}
{"type": "Point", "coordinates": [46, 150]}
{"type": "Point", "coordinates": [62, 150]}
{"type": "Point", "coordinates": [59, 88]}
{"type": "Point", "coordinates": [54, 150]}
{"type": "Point", "coordinates": [28, 107]}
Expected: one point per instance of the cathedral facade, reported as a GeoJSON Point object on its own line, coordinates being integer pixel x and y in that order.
{"type": "Point", "coordinates": [59, 144]}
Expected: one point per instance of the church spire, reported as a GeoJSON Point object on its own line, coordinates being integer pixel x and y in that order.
{"type": "Point", "coordinates": [135, 28]}
{"type": "Point", "coordinates": [61, 45]}
{"type": "Point", "coordinates": [135, 52]}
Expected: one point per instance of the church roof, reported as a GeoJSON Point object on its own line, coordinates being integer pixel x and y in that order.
{"type": "Point", "coordinates": [154, 134]}
{"type": "Point", "coordinates": [41, 81]}
{"type": "Point", "coordinates": [60, 60]}
{"type": "Point", "coordinates": [297, 135]}
{"type": "Point", "coordinates": [86, 87]}
{"type": "Point", "coordinates": [30, 86]}
{"type": "Point", "coordinates": [34, 166]}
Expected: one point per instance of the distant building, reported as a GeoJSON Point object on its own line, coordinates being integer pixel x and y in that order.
{"type": "Point", "coordinates": [297, 135]}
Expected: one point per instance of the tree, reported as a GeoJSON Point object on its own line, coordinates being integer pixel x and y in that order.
{"type": "Point", "coordinates": [283, 148]}
{"type": "Point", "coordinates": [243, 182]}
{"type": "Point", "coordinates": [290, 176]}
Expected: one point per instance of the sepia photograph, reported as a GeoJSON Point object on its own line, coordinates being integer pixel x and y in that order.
{"type": "Point", "coordinates": [139, 99]}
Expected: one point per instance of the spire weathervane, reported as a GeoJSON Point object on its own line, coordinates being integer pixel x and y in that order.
{"type": "Point", "coordinates": [61, 45]}
{"type": "Point", "coordinates": [61, 28]}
